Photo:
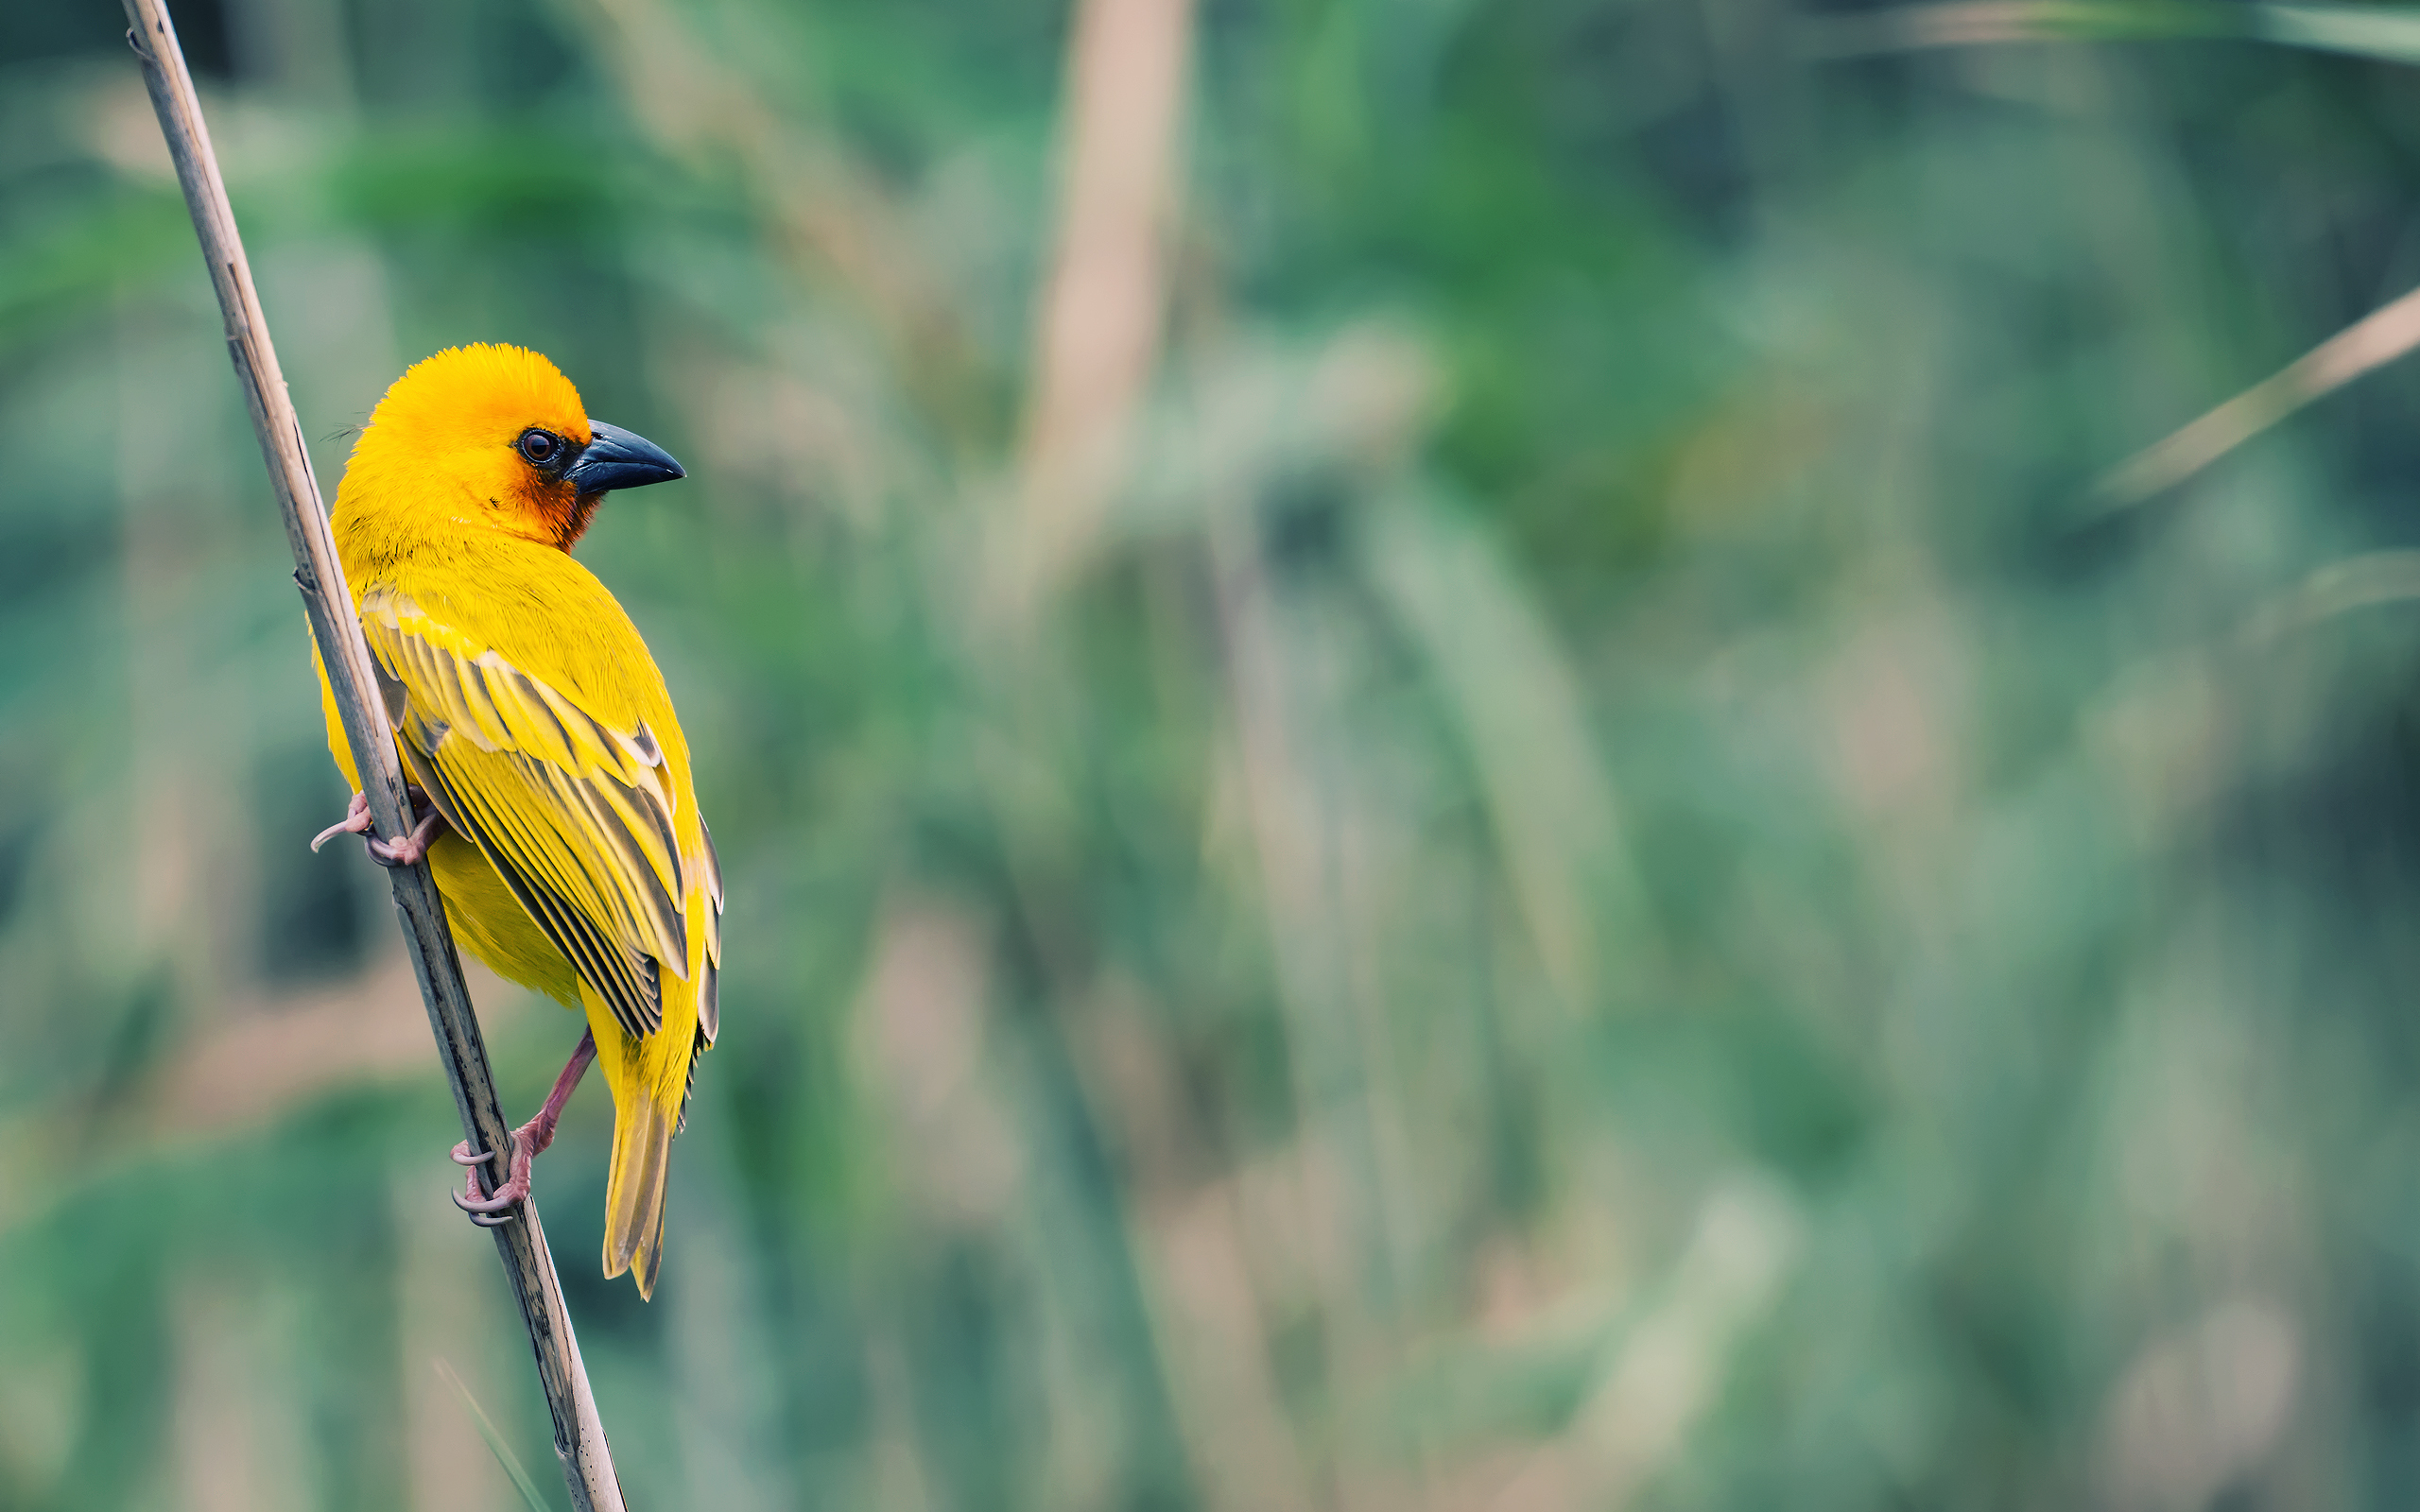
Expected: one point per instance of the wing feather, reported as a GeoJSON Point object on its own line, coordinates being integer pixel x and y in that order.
{"type": "Point", "coordinates": [709, 1004]}
{"type": "Point", "coordinates": [575, 815]}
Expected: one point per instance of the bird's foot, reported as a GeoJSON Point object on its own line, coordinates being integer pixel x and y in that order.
{"type": "Point", "coordinates": [494, 1210]}
{"type": "Point", "coordinates": [406, 851]}
{"type": "Point", "coordinates": [356, 821]}
{"type": "Point", "coordinates": [528, 1141]}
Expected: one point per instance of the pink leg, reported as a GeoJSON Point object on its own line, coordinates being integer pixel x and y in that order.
{"type": "Point", "coordinates": [528, 1141]}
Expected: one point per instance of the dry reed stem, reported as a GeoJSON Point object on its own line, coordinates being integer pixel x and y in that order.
{"type": "Point", "coordinates": [2372, 341]}
{"type": "Point", "coordinates": [580, 1435]}
{"type": "Point", "coordinates": [2375, 340]}
{"type": "Point", "coordinates": [1097, 337]}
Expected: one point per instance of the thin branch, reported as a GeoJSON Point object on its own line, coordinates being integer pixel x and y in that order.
{"type": "Point", "coordinates": [580, 1435]}
{"type": "Point", "coordinates": [2385, 34]}
{"type": "Point", "coordinates": [2372, 341]}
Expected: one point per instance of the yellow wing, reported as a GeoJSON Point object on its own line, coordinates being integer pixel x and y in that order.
{"type": "Point", "coordinates": [578, 815]}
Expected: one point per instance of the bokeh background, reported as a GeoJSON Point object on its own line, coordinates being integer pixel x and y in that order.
{"type": "Point", "coordinates": [1451, 777]}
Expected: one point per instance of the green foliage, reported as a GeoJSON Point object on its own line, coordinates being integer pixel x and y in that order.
{"type": "Point", "coordinates": [1609, 886]}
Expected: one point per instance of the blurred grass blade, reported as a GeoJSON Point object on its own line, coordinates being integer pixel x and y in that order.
{"type": "Point", "coordinates": [2360, 582]}
{"type": "Point", "coordinates": [496, 1446]}
{"type": "Point", "coordinates": [1513, 692]}
{"type": "Point", "coordinates": [2372, 341]}
{"type": "Point", "coordinates": [1973, 22]}
{"type": "Point", "coordinates": [2389, 34]}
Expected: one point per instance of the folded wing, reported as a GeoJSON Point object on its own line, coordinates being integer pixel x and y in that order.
{"type": "Point", "coordinates": [577, 814]}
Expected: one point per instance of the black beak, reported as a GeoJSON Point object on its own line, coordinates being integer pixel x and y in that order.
{"type": "Point", "coordinates": [620, 459]}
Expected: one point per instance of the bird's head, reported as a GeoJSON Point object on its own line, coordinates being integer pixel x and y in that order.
{"type": "Point", "coordinates": [492, 438]}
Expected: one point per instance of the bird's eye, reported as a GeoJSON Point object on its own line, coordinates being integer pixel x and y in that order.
{"type": "Point", "coordinates": [541, 447]}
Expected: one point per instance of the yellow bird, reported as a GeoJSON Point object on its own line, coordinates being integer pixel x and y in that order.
{"type": "Point", "coordinates": [562, 829]}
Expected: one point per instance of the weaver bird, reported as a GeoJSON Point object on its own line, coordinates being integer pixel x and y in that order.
{"type": "Point", "coordinates": [561, 828]}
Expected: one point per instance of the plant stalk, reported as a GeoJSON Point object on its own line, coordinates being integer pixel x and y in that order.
{"type": "Point", "coordinates": [579, 1434]}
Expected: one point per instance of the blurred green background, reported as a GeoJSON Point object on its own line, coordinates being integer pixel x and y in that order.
{"type": "Point", "coordinates": [1445, 781]}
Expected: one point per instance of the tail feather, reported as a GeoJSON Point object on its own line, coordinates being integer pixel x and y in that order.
{"type": "Point", "coordinates": [652, 1257]}
{"type": "Point", "coordinates": [649, 1077]}
{"type": "Point", "coordinates": [635, 1189]}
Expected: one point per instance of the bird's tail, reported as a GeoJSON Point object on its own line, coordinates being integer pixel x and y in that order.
{"type": "Point", "coordinates": [635, 1192]}
{"type": "Point", "coordinates": [646, 1113]}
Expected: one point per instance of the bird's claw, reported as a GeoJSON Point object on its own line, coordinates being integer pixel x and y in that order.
{"type": "Point", "coordinates": [406, 851]}
{"type": "Point", "coordinates": [490, 1211]}
{"type": "Point", "coordinates": [495, 1208]}
{"type": "Point", "coordinates": [356, 821]}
